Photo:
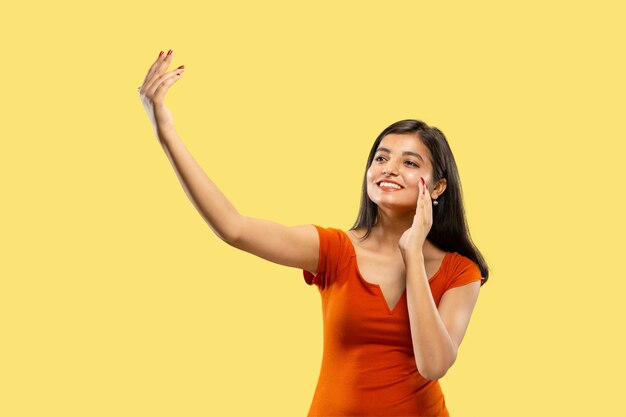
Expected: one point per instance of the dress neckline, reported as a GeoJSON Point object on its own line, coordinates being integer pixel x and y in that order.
{"type": "Point", "coordinates": [390, 310]}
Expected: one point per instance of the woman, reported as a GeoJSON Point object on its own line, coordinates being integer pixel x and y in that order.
{"type": "Point", "coordinates": [397, 289]}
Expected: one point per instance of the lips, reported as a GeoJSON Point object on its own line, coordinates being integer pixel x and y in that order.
{"type": "Point", "coordinates": [389, 188]}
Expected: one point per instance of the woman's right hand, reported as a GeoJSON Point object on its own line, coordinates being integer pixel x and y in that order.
{"type": "Point", "coordinates": [152, 92]}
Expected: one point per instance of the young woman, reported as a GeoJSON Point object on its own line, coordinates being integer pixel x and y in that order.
{"type": "Point", "coordinates": [398, 288]}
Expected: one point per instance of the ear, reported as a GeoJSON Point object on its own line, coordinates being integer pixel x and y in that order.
{"type": "Point", "coordinates": [440, 187]}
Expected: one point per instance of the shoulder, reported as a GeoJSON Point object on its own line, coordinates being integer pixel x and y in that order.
{"type": "Point", "coordinates": [462, 270]}
{"type": "Point", "coordinates": [460, 261]}
{"type": "Point", "coordinates": [333, 239]}
{"type": "Point", "coordinates": [334, 256]}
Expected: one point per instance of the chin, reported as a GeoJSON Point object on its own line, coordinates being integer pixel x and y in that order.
{"type": "Point", "coordinates": [395, 205]}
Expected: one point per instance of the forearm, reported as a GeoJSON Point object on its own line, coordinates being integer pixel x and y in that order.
{"type": "Point", "coordinates": [211, 203]}
{"type": "Point", "coordinates": [433, 348]}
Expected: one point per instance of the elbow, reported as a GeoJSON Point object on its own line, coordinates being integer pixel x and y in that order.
{"type": "Point", "coordinates": [233, 234]}
{"type": "Point", "coordinates": [226, 236]}
{"type": "Point", "coordinates": [231, 239]}
{"type": "Point", "coordinates": [433, 375]}
{"type": "Point", "coordinates": [434, 372]}
{"type": "Point", "coordinates": [230, 233]}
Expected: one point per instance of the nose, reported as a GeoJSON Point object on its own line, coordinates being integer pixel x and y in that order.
{"type": "Point", "coordinates": [390, 168]}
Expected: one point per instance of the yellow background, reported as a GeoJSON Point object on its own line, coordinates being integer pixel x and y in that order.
{"type": "Point", "coordinates": [117, 299]}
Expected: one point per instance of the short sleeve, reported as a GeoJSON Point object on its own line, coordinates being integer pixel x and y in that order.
{"type": "Point", "coordinates": [465, 271]}
{"type": "Point", "coordinates": [332, 244]}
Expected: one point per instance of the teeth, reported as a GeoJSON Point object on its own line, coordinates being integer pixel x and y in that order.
{"type": "Point", "coordinates": [389, 185]}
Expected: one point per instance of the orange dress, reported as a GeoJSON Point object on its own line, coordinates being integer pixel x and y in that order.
{"type": "Point", "coordinates": [368, 367]}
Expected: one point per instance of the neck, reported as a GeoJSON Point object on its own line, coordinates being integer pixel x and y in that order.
{"type": "Point", "coordinates": [388, 230]}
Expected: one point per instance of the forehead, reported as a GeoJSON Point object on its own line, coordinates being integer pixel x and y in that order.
{"type": "Point", "coordinates": [400, 142]}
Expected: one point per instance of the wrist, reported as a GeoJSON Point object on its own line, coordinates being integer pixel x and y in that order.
{"type": "Point", "coordinates": [412, 256]}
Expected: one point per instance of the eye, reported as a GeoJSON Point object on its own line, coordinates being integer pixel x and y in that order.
{"type": "Point", "coordinates": [379, 158]}
{"type": "Point", "coordinates": [413, 164]}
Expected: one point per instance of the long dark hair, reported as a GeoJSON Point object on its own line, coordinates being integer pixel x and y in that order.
{"type": "Point", "coordinates": [449, 230]}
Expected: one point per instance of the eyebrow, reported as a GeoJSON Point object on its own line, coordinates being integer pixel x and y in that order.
{"type": "Point", "coordinates": [403, 153]}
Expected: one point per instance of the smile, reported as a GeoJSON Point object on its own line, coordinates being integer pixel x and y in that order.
{"type": "Point", "coordinates": [388, 186]}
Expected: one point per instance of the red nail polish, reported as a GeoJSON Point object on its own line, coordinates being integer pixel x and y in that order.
{"type": "Point", "coordinates": [169, 52]}
{"type": "Point", "coordinates": [178, 73]}
{"type": "Point", "coordinates": [161, 53]}
{"type": "Point", "coordinates": [181, 67]}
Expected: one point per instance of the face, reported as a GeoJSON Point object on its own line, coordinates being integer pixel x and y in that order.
{"type": "Point", "coordinates": [404, 159]}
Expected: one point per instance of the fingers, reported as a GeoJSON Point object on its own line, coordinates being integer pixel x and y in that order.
{"type": "Point", "coordinates": [165, 81]}
{"type": "Point", "coordinates": [157, 80]}
{"type": "Point", "coordinates": [157, 68]}
{"type": "Point", "coordinates": [424, 202]}
{"type": "Point", "coordinates": [151, 69]}
{"type": "Point", "coordinates": [420, 196]}
{"type": "Point", "coordinates": [423, 188]}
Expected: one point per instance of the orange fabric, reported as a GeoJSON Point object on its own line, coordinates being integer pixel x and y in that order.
{"type": "Point", "coordinates": [368, 367]}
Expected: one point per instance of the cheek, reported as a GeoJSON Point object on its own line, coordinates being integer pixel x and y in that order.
{"type": "Point", "coordinates": [413, 179]}
{"type": "Point", "coordinates": [370, 177]}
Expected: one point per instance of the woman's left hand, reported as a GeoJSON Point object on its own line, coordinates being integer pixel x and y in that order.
{"type": "Point", "coordinates": [412, 240]}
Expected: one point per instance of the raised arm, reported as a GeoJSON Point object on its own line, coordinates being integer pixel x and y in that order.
{"type": "Point", "coordinates": [296, 246]}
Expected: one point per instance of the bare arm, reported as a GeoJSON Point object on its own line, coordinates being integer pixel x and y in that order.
{"type": "Point", "coordinates": [296, 246]}
{"type": "Point", "coordinates": [211, 203]}
{"type": "Point", "coordinates": [436, 332]}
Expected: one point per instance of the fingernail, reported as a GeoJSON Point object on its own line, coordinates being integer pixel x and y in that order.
{"type": "Point", "coordinates": [422, 179]}
{"type": "Point", "coordinates": [161, 53]}
{"type": "Point", "coordinates": [169, 52]}
{"type": "Point", "coordinates": [178, 73]}
{"type": "Point", "coordinates": [181, 67]}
